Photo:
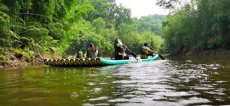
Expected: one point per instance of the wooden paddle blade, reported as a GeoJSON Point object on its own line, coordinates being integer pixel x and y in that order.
{"type": "Point", "coordinates": [134, 55]}
{"type": "Point", "coordinates": [161, 57]}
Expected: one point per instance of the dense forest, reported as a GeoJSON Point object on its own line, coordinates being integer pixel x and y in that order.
{"type": "Point", "coordinates": [200, 25]}
{"type": "Point", "coordinates": [33, 29]}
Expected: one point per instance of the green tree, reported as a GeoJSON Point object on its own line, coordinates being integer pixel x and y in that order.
{"type": "Point", "coordinates": [200, 25]}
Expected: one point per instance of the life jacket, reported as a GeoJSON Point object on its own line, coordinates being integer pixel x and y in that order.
{"type": "Point", "coordinates": [144, 52]}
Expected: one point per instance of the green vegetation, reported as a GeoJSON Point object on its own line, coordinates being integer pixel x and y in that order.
{"type": "Point", "coordinates": [34, 28]}
{"type": "Point", "coordinates": [198, 26]}
{"type": "Point", "coordinates": [31, 29]}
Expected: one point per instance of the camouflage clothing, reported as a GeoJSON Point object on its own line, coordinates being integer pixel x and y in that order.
{"type": "Point", "coordinates": [92, 53]}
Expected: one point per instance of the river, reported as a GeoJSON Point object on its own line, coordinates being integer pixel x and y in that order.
{"type": "Point", "coordinates": [171, 82]}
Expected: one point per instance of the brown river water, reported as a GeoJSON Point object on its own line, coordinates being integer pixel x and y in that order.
{"type": "Point", "coordinates": [171, 82]}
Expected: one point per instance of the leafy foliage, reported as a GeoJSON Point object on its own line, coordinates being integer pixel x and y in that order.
{"type": "Point", "coordinates": [200, 25]}
{"type": "Point", "coordinates": [151, 23]}
{"type": "Point", "coordinates": [56, 26]}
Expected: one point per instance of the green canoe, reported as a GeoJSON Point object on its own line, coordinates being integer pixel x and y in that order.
{"type": "Point", "coordinates": [115, 62]}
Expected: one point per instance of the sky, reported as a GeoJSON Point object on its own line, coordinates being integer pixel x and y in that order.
{"type": "Point", "coordinates": [142, 7]}
{"type": "Point", "coordinates": [145, 7]}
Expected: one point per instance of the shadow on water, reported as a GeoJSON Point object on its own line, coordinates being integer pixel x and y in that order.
{"type": "Point", "coordinates": [176, 81]}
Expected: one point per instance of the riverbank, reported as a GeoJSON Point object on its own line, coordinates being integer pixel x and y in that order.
{"type": "Point", "coordinates": [20, 58]}
{"type": "Point", "coordinates": [38, 60]}
{"type": "Point", "coordinates": [18, 63]}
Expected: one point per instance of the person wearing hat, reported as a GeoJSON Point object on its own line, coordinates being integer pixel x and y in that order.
{"type": "Point", "coordinates": [146, 51]}
{"type": "Point", "coordinates": [92, 51]}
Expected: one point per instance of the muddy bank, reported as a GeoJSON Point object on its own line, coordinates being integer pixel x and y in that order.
{"type": "Point", "coordinates": [20, 63]}
{"type": "Point", "coordinates": [219, 52]}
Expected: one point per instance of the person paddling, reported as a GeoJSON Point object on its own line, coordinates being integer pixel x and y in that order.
{"type": "Point", "coordinates": [120, 49]}
{"type": "Point", "coordinates": [146, 51]}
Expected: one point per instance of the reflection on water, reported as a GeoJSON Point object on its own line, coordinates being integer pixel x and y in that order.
{"type": "Point", "coordinates": [180, 81]}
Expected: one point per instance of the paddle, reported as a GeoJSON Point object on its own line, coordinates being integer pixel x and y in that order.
{"type": "Point", "coordinates": [158, 54]}
{"type": "Point", "coordinates": [132, 53]}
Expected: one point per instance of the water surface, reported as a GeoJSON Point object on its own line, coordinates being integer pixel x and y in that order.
{"type": "Point", "coordinates": [172, 82]}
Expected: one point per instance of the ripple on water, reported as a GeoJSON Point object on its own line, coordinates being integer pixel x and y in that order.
{"type": "Point", "coordinates": [91, 83]}
{"type": "Point", "coordinates": [181, 83]}
{"type": "Point", "coordinates": [99, 98]}
{"type": "Point", "coordinates": [193, 100]}
{"type": "Point", "coordinates": [158, 83]}
{"type": "Point", "coordinates": [97, 90]}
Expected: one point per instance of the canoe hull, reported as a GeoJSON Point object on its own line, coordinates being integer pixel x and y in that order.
{"type": "Point", "coordinates": [117, 62]}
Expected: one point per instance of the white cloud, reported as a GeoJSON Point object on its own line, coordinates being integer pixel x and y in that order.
{"type": "Point", "coordinates": [142, 7]}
